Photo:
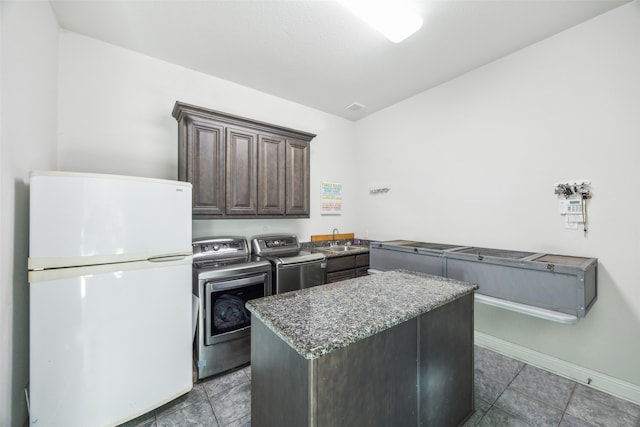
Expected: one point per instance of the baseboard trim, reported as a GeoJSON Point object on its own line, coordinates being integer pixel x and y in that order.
{"type": "Point", "coordinates": [588, 377]}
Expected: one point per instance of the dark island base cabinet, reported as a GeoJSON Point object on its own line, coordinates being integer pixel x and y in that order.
{"type": "Point", "coordinates": [417, 373]}
{"type": "Point", "coordinates": [242, 168]}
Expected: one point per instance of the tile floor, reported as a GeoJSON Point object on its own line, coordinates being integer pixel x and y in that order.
{"type": "Point", "coordinates": [223, 401]}
{"type": "Point", "coordinates": [511, 393]}
{"type": "Point", "coordinates": [508, 393]}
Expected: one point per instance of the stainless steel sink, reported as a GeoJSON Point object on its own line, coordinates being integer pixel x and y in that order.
{"type": "Point", "coordinates": [342, 248]}
{"type": "Point", "coordinates": [339, 248]}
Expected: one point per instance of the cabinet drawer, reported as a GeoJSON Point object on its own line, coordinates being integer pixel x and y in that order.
{"type": "Point", "coordinates": [362, 260]}
{"type": "Point", "coordinates": [362, 271]}
{"type": "Point", "coordinates": [340, 275]}
{"type": "Point", "coordinates": [341, 263]}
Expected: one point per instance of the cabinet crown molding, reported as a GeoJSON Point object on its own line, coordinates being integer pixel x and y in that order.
{"type": "Point", "coordinates": [181, 110]}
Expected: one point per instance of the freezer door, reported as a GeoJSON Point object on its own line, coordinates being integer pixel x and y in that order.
{"type": "Point", "coordinates": [83, 219]}
{"type": "Point", "coordinates": [107, 347]}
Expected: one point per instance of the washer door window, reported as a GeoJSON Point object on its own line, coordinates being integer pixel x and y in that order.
{"type": "Point", "coordinates": [225, 306]}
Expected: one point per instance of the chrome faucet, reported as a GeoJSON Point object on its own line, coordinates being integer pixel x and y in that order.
{"type": "Point", "coordinates": [333, 236]}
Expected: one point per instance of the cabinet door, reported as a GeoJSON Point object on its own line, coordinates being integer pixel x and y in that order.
{"type": "Point", "coordinates": [341, 263]}
{"type": "Point", "coordinates": [271, 168]}
{"type": "Point", "coordinates": [297, 178]}
{"type": "Point", "coordinates": [241, 179]}
{"type": "Point", "coordinates": [362, 260]}
{"type": "Point", "coordinates": [205, 166]}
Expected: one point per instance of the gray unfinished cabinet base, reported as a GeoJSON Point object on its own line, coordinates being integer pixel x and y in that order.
{"type": "Point", "coordinates": [416, 373]}
{"type": "Point", "coordinates": [555, 287]}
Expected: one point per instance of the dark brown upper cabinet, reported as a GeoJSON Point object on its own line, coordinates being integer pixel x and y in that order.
{"type": "Point", "coordinates": [242, 168]}
{"type": "Point", "coordinates": [297, 178]}
{"type": "Point", "coordinates": [204, 164]}
{"type": "Point", "coordinates": [271, 178]}
{"type": "Point", "coordinates": [241, 161]}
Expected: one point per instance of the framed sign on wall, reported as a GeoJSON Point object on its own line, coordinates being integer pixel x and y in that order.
{"type": "Point", "coordinates": [331, 198]}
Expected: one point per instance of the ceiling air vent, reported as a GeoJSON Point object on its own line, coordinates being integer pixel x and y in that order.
{"type": "Point", "coordinates": [354, 106]}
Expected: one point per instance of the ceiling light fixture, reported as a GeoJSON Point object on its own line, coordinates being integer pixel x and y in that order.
{"type": "Point", "coordinates": [394, 19]}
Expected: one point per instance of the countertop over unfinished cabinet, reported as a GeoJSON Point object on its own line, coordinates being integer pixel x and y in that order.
{"type": "Point", "coordinates": [560, 288]}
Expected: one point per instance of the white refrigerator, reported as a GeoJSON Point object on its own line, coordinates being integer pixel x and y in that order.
{"type": "Point", "coordinates": [109, 297]}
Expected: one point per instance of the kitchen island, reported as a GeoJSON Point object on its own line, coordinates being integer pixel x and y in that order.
{"type": "Point", "coordinates": [394, 348]}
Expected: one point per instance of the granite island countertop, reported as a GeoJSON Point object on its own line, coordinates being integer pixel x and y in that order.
{"type": "Point", "coordinates": [318, 320]}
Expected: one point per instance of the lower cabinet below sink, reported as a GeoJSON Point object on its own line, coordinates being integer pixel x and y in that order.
{"type": "Point", "coordinates": [347, 267]}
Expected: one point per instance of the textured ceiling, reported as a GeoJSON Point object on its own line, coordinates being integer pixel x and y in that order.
{"type": "Point", "coordinates": [315, 52]}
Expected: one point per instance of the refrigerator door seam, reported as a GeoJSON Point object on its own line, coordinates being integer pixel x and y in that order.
{"type": "Point", "coordinates": [63, 273]}
{"type": "Point", "coordinates": [40, 263]}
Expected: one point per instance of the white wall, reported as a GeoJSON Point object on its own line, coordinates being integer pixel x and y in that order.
{"type": "Point", "coordinates": [28, 77]}
{"type": "Point", "coordinates": [115, 117]}
{"type": "Point", "coordinates": [480, 156]}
